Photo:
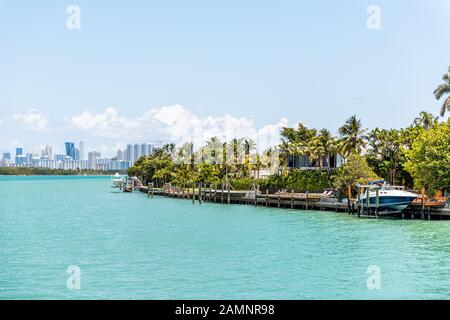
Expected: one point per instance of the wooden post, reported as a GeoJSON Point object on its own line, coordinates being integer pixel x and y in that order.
{"type": "Point", "coordinates": [193, 192]}
{"type": "Point", "coordinates": [279, 198]}
{"type": "Point", "coordinates": [200, 192]}
{"type": "Point", "coordinates": [267, 197]}
{"type": "Point", "coordinates": [360, 204]}
{"type": "Point", "coordinates": [429, 213]}
{"type": "Point", "coordinates": [378, 202]}
{"type": "Point", "coordinates": [228, 196]}
{"type": "Point", "coordinates": [307, 198]}
{"type": "Point", "coordinates": [422, 202]}
{"type": "Point", "coordinates": [148, 190]}
{"type": "Point", "coordinates": [210, 192]}
{"type": "Point", "coordinates": [362, 201]}
{"type": "Point", "coordinates": [215, 192]}
{"type": "Point", "coordinates": [358, 199]}
{"type": "Point", "coordinates": [292, 199]}
{"type": "Point", "coordinates": [221, 194]}
{"type": "Point", "coordinates": [349, 196]}
{"type": "Point", "coordinates": [256, 195]}
{"type": "Point", "coordinates": [368, 201]}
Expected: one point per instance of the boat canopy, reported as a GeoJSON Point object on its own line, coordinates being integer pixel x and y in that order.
{"type": "Point", "coordinates": [376, 182]}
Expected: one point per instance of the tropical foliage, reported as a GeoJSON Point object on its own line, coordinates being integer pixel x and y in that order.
{"type": "Point", "coordinates": [429, 159]}
{"type": "Point", "coordinates": [355, 171]}
{"type": "Point", "coordinates": [416, 156]}
{"type": "Point", "coordinates": [443, 90]}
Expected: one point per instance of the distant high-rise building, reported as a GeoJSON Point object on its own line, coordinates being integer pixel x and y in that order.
{"type": "Point", "coordinates": [92, 159]}
{"type": "Point", "coordinates": [47, 153]}
{"type": "Point", "coordinates": [19, 152]}
{"type": "Point", "coordinates": [120, 155]}
{"type": "Point", "coordinates": [129, 152]}
{"type": "Point", "coordinates": [70, 149]}
{"type": "Point", "coordinates": [81, 150]}
{"type": "Point", "coordinates": [29, 157]}
{"type": "Point", "coordinates": [76, 154]}
{"type": "Point", "coordinates": [6, 156]}
{"type": "Point", "coordinates": [59, 157]}
{"type": "Point", "coordinates": [134, 151]}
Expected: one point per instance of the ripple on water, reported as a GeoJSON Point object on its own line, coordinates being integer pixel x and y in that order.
{"type": "Point", "coordinates": [129, 246]}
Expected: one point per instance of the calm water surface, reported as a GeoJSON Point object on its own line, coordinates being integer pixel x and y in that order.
{"type": "Point", "coordinates": [132, 247]}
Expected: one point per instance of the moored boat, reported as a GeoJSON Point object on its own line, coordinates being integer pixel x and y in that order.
{"type": "Point", "coordinates": [118, 181]}
{"type": "Point", "coordinates": [388, 198]}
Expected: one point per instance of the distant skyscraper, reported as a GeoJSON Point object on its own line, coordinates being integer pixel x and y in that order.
{"type": "Point", "coordinates": [120, 155]}
{"type": "Point", "coordinates": [76, 154]}
{"type": "Point", "coordinates": [134, 151]}
{"type": "Point", "coordinates": [70, 149]}
{"type": "Point", "coordinates": [59, 157]}
{"type": "Point", "coordinates": [81, 150]}
{"type": "Point", "coordinates": [92, 159]}
{"type": "Point", "coordinates": [19, 152]}
{"type": "Point", "coordinates": [6, 156]}
{"type": "Point", "coordinates": [128, 153]}
{"type": "Point", "coordinates": [47, 153]}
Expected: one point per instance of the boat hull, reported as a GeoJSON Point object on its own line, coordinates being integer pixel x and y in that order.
{"type": "Point", "coordinates": [389, 203]}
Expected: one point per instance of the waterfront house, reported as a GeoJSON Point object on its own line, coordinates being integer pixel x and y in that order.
{"type": "Point", "coordinates": [303, 162]}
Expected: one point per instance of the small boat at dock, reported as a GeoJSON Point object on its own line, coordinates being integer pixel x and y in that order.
{"type": "Point", "coordinates": [118, 181]}
{"type": "Point", "coordinates": [388, 199]}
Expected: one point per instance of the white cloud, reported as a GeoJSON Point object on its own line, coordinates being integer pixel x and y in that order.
{"type": "Point", "coordinates": [175, 124]}
{"type": "Point", "coordinates": [33, 119]}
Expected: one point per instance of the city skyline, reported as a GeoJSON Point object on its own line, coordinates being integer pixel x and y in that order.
{"type": "Point", "coordinates": [74, 158]}
{"type": "Point", "coordinates": [169, 71]}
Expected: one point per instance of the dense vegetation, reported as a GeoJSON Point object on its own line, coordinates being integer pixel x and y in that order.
{"type": "Point", "coordinates": [417, 156]}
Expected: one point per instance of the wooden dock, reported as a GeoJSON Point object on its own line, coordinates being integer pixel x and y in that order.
{"type": "Point", "coordinates": [300, 201]}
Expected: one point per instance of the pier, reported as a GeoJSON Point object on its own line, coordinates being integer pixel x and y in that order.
{"type": "Point", "coordinates": [291, 200]}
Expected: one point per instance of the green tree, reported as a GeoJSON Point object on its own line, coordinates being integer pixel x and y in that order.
{"type": "Point", "coordinates": [425, 120]}
{"type": "Point", "coordinates": [356, 170]}
{"type": "Point", "coordinates": [207, 173]}
{"type": "Point", "coordinates": [353, 136]}
{"type": "Point", "coordinates": [429, 159]}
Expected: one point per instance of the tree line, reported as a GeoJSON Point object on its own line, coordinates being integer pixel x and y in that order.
{"type": "Point", "coordinates": [416, 156]}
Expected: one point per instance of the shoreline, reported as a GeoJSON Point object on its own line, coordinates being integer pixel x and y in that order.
{"type": "Point", "coordinates": [292, 202]}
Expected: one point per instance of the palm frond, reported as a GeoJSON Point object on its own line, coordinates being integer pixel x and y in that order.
{"type": "Point", "coordinates": [441, 90]}
{"type": "Point", "coordinates": [445, 106]}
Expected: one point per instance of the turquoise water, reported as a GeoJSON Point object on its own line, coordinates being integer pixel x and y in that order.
{"type": "Point", "coordinates": [130, 247]}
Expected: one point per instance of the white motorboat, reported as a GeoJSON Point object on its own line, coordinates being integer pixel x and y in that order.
{"type": "Point", "coordinates": [390, 198]}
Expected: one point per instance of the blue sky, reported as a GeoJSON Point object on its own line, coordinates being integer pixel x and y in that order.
{"type": "Point", "coordinates": [137, 69]}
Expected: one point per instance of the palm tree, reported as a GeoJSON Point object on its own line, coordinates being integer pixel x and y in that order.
{"type": "Point", "coordinates": [425, 120]}
{"type": "Point", "coordinates": [353, 136]}
{"type": "Point", "coordinates": [442, 90]}
{"type": "Point", "coordinates": [213, 146]}
{"type": "Point", "coordinates": [328, 146]}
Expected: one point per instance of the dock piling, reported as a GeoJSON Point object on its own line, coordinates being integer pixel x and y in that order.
{"type": "Point", "coordinates": [292, 199]}
{"type": "Point", "coordinates": [378, 202]}
{"type": "Point", "coordinates": [422, 204]}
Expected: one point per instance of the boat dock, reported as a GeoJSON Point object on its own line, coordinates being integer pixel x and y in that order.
{"type": "Point", "coordinates": [291, 200]}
